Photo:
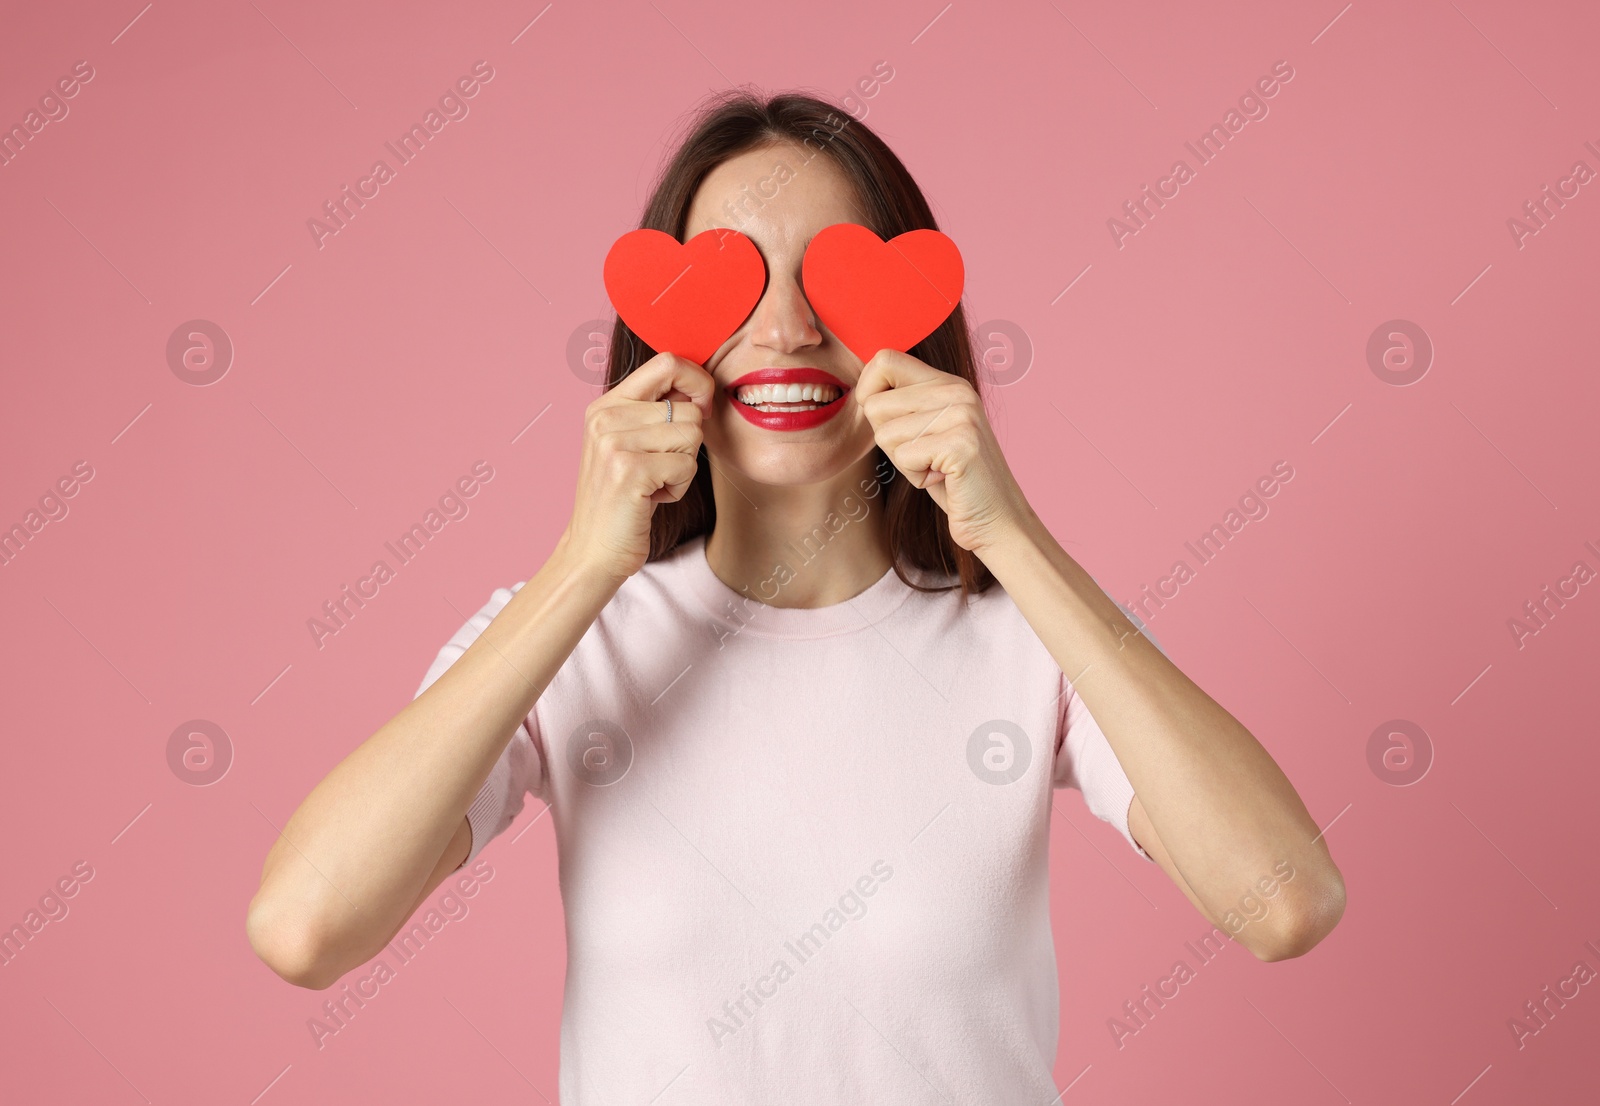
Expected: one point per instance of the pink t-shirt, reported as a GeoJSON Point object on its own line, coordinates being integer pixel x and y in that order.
{"type": "Point", "coordinates": [803, 851]}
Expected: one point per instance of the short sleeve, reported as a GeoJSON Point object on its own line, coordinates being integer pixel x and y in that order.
{"type": "Point", "coordinates": [1086, 761]}
{"type": "Point", "coordinates": [520, 769]}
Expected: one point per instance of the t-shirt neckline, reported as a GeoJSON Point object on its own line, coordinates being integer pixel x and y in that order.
{"type": "Point", "coordinates": [749, 614]}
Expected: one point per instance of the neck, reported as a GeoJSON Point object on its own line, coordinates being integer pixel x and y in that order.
{"type": "Point", "coordinates": [830, 537]}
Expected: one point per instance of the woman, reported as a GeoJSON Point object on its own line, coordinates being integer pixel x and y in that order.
{"type": "Point", "coordinates": [794, 688]}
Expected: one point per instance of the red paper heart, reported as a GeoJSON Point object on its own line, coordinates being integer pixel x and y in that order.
{"type": "Point", "coordinates": [684, 298]}
{"type": "Point", "coordinates": [881, 295]}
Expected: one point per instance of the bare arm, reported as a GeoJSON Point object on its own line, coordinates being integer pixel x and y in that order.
{"type": "Point", "coordinates": [1211, 806]}
{"type": "Point", "coordinates": [388, 824]}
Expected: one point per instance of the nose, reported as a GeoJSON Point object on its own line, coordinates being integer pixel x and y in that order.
{"type": "Point", "coordinates": [783, 319]}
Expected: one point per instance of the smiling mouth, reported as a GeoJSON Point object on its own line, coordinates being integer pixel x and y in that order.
{"type": "Point", "coordinates": [787, 398]}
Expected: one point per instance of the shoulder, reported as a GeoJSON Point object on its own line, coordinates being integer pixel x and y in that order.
{"type": "Point", "coordinates": [986, 626]}
{"type": "Point", "coordinates": [992, 607]}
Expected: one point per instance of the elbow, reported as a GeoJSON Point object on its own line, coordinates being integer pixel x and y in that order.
{"type": "Point", "coordinates": [288, 946]}
{"type": "Point", "coordinates": [1303, 926]}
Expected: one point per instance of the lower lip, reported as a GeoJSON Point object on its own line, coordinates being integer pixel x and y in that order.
{"type": "Point", "coordinates": [789, 420]}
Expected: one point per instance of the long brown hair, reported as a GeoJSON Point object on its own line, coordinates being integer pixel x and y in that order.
{"type": "Point", "coordinates": [736, 121]}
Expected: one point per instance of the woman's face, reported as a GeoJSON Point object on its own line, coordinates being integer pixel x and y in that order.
{"type": "Point", "coordinates": [779, 199]}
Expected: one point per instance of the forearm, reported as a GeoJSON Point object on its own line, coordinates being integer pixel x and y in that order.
{"type": "Point", "coordinates": [353, 859]}
{"type": "Point", "coordinates": [1225, 812]}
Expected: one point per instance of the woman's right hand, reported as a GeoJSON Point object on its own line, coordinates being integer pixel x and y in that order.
{"type": "Point", "coordinates": [633, 459]}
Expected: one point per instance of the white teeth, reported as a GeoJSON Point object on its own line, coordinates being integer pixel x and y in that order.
{"type": "Point", "coordinates": [758, 394]}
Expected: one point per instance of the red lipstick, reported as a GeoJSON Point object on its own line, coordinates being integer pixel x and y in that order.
{"type": "Point", "coordinates": [795, 418]}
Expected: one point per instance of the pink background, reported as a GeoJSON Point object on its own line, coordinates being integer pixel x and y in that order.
{"type": "Point", "coordinates": [1229, 334]}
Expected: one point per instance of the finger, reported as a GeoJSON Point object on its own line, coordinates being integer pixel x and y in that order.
{"type": "Point", "coordinates": [666, 476]}
{"type": "Point", "coordinates": [894, 433]}
{"type": "Point", "coordinates": [926, 460]}
{"type": "Point", "coordinates": [667, 374]}
{"type": "Point", "coordinates": [627, 414]}
{"type": "Point", "coordinates": [928, 395]}
{"type": "Point", "coordinates": [890, 368]}
{"type": "Point", "coordinates": [656, 437]}
{"type": "Point", "coordinates": [685, 424]}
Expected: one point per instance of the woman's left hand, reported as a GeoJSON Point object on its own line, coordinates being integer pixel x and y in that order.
{"type": "Point", "coordinates": [932, 426]}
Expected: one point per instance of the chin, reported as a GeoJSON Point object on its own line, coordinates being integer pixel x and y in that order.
{"type": "Point", "coordinates": [789, 463]}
